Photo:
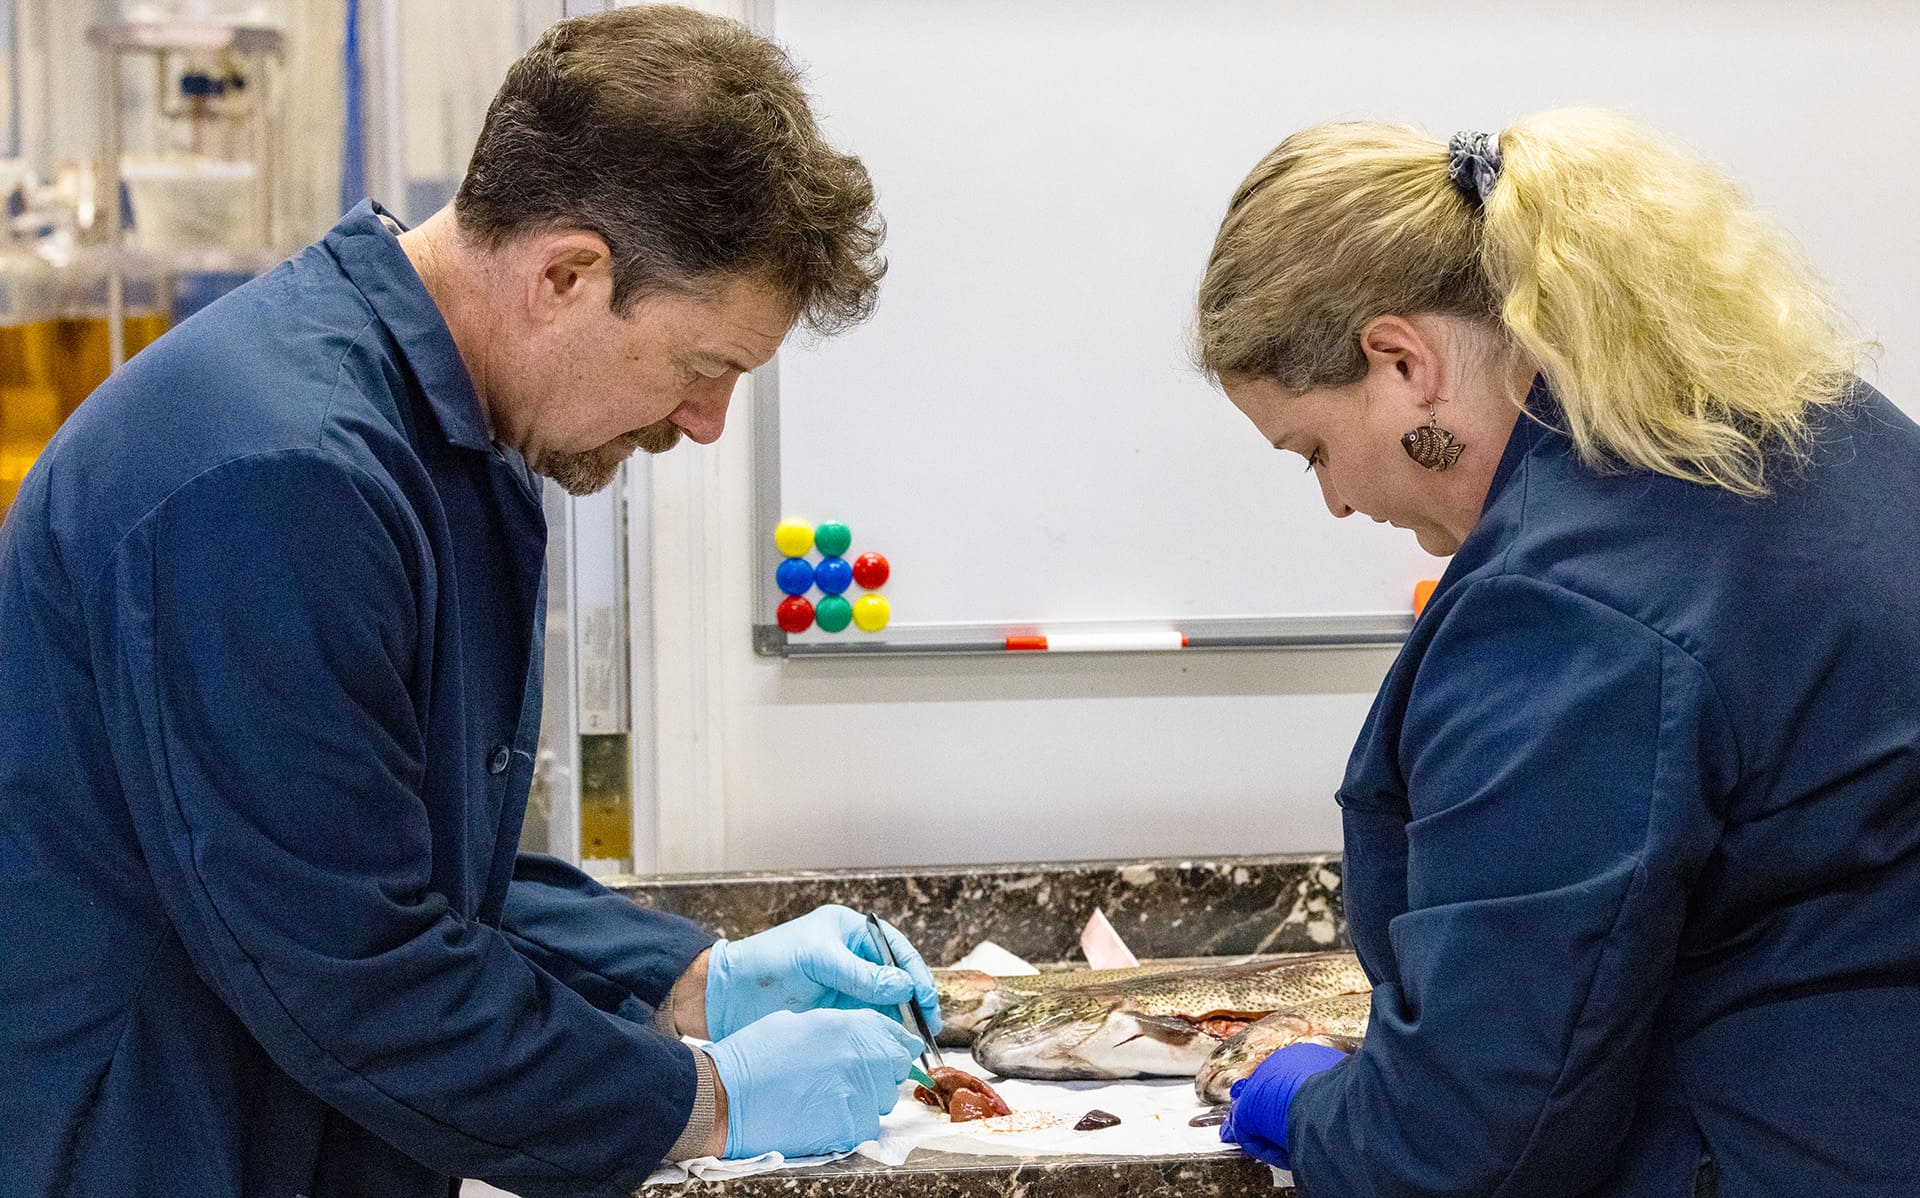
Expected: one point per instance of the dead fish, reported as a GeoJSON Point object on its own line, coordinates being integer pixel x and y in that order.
{"type": "Point", "coordinates": [969, 998]}
{"type": "Point", "coordinates": [1339, 1021]}
{"type": "Point", "coordinates": [1160, 1025]}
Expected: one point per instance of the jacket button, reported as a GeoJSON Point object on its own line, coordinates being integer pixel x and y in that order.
{"type": "Point", "coordinates": [498, 759]}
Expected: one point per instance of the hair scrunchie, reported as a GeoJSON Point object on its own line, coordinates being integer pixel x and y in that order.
{"type": "Point", "coordinates": [1473, 164]}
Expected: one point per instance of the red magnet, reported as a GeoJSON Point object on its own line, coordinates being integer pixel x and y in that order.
{"type": "Point", "coordinates": [870, 570]}
{"type": "Point", "coordinates": [795, 614]}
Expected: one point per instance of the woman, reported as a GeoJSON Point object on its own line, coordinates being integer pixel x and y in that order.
{"type": "Point", "coordinates": [1633, 828]}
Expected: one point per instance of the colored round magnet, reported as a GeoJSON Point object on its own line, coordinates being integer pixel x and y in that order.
{"type": "Point", "coordinates": [794, 614]}
{"type": "Point", "coordinates": [833, 575]}
{"type": "Point", "coordinates": [794, 537]}
{"type": "Point", "coordinates": [870, 570]}
{"type": "Point", "coordinates": [833, 613]}
{"type": "Point", "coordinates": [871, 612]}
{"type": "Point", "coordinates": [833, 538]}
{"type": "Point", "coordinates": [794, 576]}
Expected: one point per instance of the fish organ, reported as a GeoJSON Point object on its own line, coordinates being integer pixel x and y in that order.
{"type": "Point", "coordinates": [1338, 1020]}
{"type": "Point", "coordinates": [1155, 1025]}
{"type": "Point", "coordinates": [962, 1095]}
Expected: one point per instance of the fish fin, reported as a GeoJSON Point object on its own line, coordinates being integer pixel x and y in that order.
{"type": "Point", "coordinates": [1166, 1023]}
{"type": "Point", "coordinates": [1165, 1028]}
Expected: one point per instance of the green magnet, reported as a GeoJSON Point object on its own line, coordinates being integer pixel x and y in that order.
{"type": "Point", "coordinates": [833, 613]}
{"type": "Point", "coordinates": [832, 540]}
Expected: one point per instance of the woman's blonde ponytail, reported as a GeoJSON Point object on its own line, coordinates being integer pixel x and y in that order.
{"type": "Point", "coordinates": [1682, 331]}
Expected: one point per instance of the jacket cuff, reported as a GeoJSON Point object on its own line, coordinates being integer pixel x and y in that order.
{"type": "Point", "coordinates": [693, 1141]}
{"type": "Point", "coordinates": [663, 1021]}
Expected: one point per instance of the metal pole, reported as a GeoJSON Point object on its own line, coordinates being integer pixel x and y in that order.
{"type": "Point", "coordinates": [116, 233]}
{"type": "Point", "coordinates": [393, 117]}
{"type": "Point", "coordinates": [265, 90]}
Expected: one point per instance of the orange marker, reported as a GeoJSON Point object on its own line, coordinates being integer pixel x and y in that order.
{"type": "Point", "coordinates": [1423, 591]}
{"type": "Point", "coordinates": [1098, 642]}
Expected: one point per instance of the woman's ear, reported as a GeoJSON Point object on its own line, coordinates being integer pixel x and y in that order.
{"type": "Point", "coordinates": [1404, 369]}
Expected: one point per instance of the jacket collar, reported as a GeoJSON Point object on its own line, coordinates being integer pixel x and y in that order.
{"type": "Point", "coordinates": [1541, 416]}
{"type": "Point", "coordinates": [365, 245]}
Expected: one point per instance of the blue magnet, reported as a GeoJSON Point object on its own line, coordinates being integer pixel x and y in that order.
{"type": "Point", "coordinates": [833, 575]}
{"type": "Point", "coordinates": [795, 576]}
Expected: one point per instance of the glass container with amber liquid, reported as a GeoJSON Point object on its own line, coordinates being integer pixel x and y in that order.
{"type": "Point", "coordinates": [81, 359]}
{"type": "Point", "coordinates": [29, 339]}
{"type": "Point", "coordinates": [54, 349]}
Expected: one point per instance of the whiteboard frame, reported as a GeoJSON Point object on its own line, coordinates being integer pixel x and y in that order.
{"type": "Point", "coordinates": [1353, 630]}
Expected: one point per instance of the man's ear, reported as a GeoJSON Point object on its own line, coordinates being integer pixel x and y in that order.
{"type": "Point", "coordinates": [1403, 363]}
{"type": "Point", "coordinates": [566, 269]}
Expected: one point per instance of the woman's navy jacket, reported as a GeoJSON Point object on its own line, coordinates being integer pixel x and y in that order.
{"type": "Point", "coordinates": [1633, 842]}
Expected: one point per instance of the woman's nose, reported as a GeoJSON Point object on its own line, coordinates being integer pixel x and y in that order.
{"type": "Point", "coordinates": [1327, 493]}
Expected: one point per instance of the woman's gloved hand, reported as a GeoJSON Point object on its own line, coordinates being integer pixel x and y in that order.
{"type": "Point", "coordinates": [812, 1082]}
{"type": "Point", "coordinates": [1257, 1121]}
{"type": "Point", "coordinates": [825, 958]}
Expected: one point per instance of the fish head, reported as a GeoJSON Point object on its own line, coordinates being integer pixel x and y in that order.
{"type": "Point", "coordinates": [1042, 1029]}
{"type": "Point", "coordinates": [1240, 1054]}
{"type": "Point", "coordinates": [968, 999]}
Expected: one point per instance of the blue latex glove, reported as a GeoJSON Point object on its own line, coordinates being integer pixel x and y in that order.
{"type": "Point", "coordinates": [825, 958]}
{"type": "Point", "coordinates": [812, 1082]}
{"type": "Point", "coordinates": [1257, 1121]}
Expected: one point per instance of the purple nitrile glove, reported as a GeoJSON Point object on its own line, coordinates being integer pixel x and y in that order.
{"type": "Point", "coordinates": [1257, 1121]}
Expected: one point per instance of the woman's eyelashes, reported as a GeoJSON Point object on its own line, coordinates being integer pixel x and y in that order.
{"type": "Point", "coordinates": [1313, 459]}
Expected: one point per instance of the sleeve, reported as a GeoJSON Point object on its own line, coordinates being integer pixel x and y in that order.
{"type": "Point", "coordinates": [620, 956]}
{"type": "Point", "coordinates": [1560, 761]}
{"type": "Point", "coordinates": [260, 633]}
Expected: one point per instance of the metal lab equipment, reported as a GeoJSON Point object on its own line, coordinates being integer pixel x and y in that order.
{"type": "Point", "coordinates": [207, 194]}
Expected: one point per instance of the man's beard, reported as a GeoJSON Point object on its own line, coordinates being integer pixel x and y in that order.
{"type": "Point", "coordinates": [585, 473]}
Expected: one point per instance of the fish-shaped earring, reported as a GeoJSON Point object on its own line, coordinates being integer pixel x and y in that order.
{"type": "Point", "coordinates": [1432, 446]}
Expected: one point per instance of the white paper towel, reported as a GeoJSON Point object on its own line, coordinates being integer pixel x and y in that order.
{"type": "Point", "coordinates": [1153, 1113]}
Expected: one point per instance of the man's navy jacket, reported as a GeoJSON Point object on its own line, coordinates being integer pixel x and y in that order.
{"type": "Point", "coordinates": [270, 620]}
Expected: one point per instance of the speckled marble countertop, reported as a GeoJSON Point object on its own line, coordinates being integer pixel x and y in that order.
{"type": "Point", "coordinates": [1219, 906]}
{"type": "Point", "coordinates": [943, 1175]}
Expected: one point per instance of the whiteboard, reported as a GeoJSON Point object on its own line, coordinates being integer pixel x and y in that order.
{"type": "Point", "coordinates": [1019, 428]}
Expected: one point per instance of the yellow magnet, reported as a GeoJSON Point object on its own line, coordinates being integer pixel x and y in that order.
{"type": "Point", "coordinates": [871, 613]}
{"type": "Point", "coordinates": [794, 537]}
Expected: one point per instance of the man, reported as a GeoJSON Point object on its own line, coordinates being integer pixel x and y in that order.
{"type": "Point", "coordinates": [269, 678]}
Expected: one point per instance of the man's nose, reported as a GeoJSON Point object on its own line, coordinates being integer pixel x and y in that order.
{"type": "Point", "coordinates": [702, 418]}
